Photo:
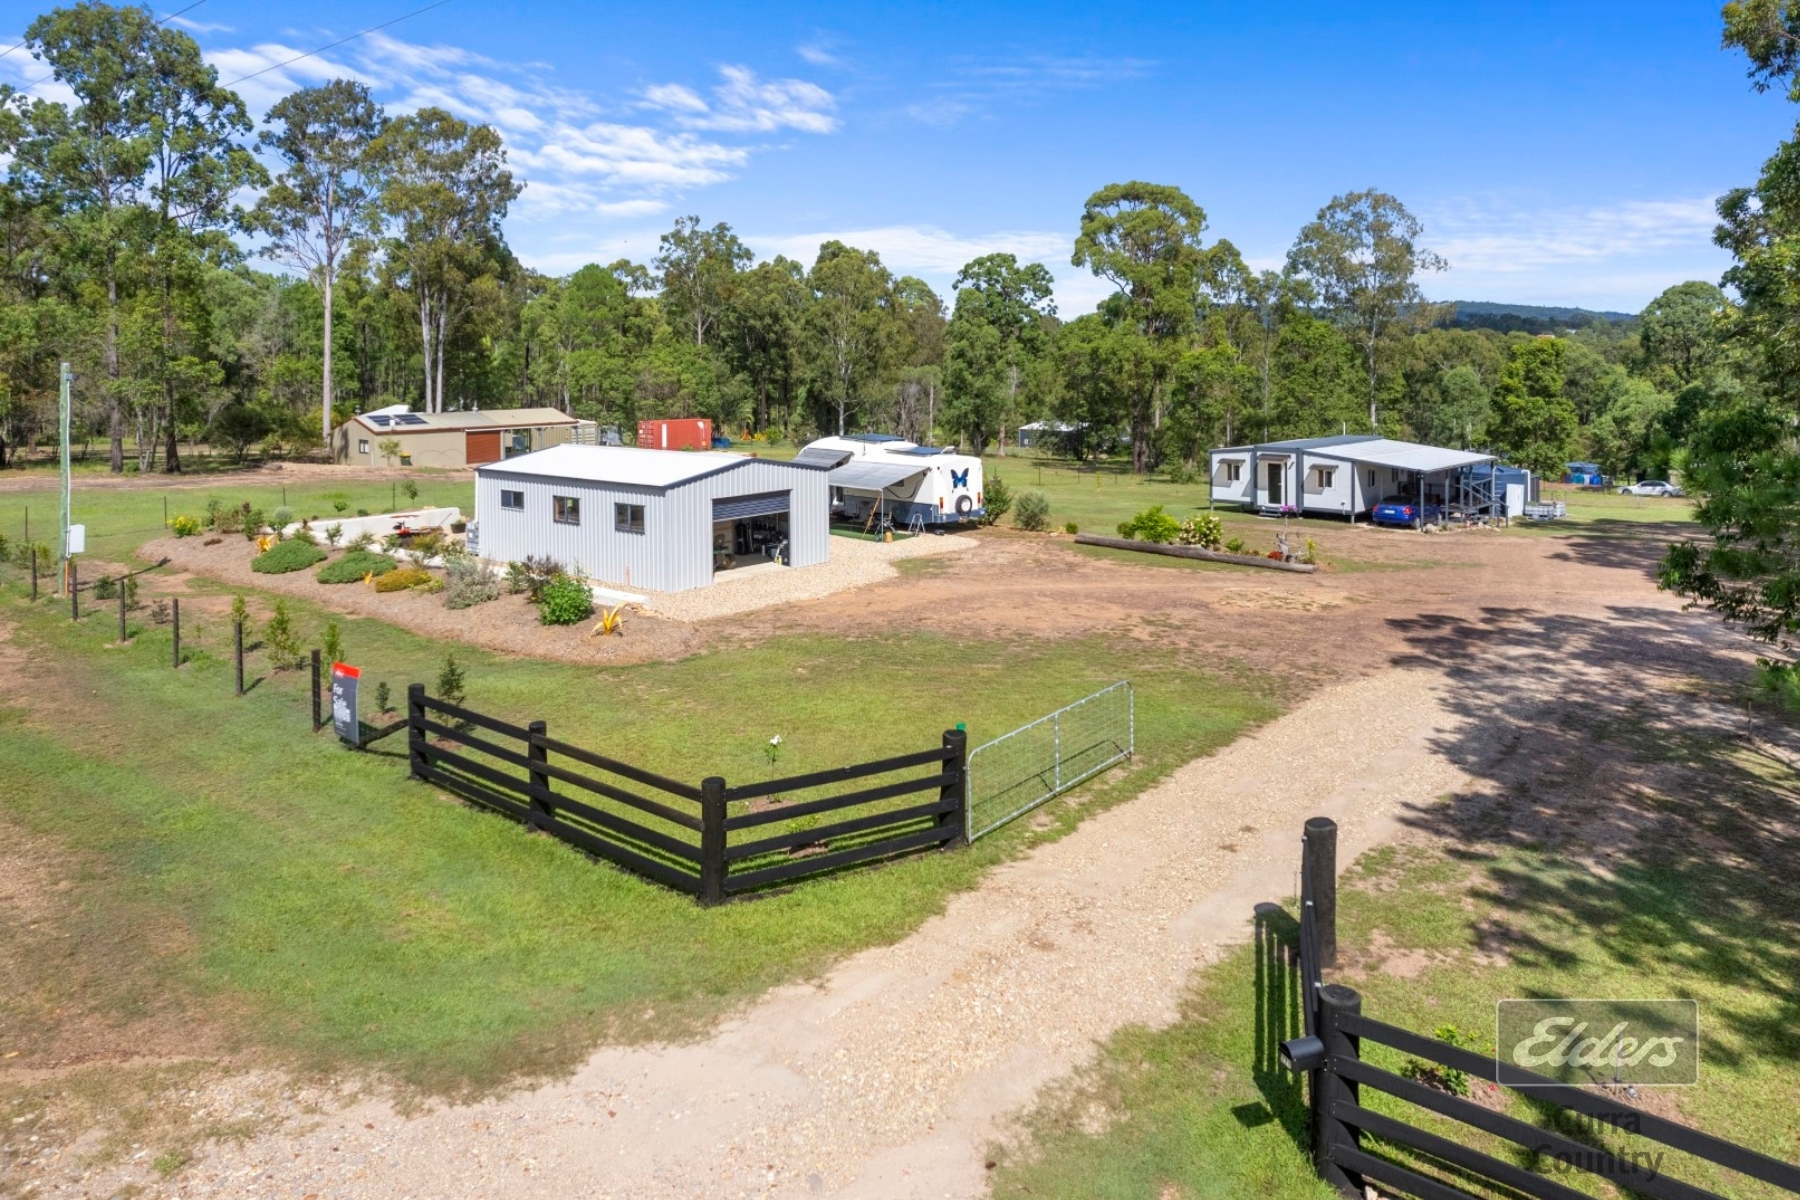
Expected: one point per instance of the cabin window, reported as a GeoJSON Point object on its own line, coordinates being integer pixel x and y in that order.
{"type": "Point", "coordinates": [1323, 476]}
{"type": "Point", "coordinates": [1371, 476]}
{"type": "Point", "coordinates": [362, 445]}
{"type": "Point", "coordinates": [514, 501]}
{"type": "Point", "coordinates": [628, 518]}
{"type": "Point", "coordinates": [566, 510]}
{"type": "Point", "coordinates": [1234, 471]}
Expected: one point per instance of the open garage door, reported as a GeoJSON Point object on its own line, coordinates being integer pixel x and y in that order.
{"type": "Point", "coordinates": [764, 504]}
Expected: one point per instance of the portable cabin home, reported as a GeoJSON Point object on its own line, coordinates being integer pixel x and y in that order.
{"type": "Point", "coordinates": [666, 520]}
{"type": "Point", "coordinates": [453, 439]}
{"type": "Point", "coordinates": [878, 475]}
{"type": "Point", "coordinates": [1344, 475]}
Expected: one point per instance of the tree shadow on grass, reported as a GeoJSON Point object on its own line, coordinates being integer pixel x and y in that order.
{"type": "Point", "coordinates": [1632, 819]}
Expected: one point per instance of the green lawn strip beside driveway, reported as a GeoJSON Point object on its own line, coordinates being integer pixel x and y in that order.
{"type": "Point", "coordinates": [352, 918]}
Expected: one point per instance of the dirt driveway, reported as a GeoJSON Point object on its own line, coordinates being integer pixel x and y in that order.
{"type": "Point", "coordinates": [888, 1077]}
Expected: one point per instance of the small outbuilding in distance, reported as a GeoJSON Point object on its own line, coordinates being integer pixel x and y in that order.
{"type": "Point", "coordinates": [452, 439]}
{"type": "Point", "coordinates": [1348, 475]}
{"type": "Point", "coordinates": [664, 520]}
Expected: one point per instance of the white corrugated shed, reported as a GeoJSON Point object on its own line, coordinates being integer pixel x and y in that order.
{"type": "Point", "coordinates": [676, 489]}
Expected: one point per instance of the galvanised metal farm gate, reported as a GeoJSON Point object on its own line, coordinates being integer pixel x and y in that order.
{"type": "Point", "coordinates": [1017, 771]}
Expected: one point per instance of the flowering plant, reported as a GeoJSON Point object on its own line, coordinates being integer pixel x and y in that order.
{"type": "Point", "coordinates": [772, 752]}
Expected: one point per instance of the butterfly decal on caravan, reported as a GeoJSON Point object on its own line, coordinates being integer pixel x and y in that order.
{"type": "Point", "coordinates": [959, 479]}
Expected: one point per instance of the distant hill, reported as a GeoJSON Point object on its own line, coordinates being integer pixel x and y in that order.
{"type": "Point", "coordinates": [1530, 318]}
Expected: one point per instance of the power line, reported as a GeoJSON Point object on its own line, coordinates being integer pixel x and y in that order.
{"type": "Point", "coordinates": [41, 78]}
{"type": "Point", "coordinates": [336, 44]}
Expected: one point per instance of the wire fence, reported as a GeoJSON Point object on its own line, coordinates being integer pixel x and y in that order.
{"type": "Point", "coordinates": [1016, 772]}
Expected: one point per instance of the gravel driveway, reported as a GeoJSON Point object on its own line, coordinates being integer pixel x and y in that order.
{"type": "Point", "coordinates": [890, 1076]}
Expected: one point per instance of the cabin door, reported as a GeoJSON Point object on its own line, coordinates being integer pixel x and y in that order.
{"type": "Point", "coordinates": [1276, 472]}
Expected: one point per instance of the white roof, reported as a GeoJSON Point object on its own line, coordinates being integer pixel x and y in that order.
{"type": "Point", "coordinates": [1404, 456]}
{"type": "Point", "coordinates": [618, 464]}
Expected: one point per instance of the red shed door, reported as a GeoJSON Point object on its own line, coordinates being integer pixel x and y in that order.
{"type": "Point", "coordinates": [483, 447]}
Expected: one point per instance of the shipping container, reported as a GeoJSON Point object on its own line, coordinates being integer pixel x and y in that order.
{"type": "Point", "coordinates": [684, 433]}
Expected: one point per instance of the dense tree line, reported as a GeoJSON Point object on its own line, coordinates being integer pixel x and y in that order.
{"type": "Point", "coordinates": [370, 267]}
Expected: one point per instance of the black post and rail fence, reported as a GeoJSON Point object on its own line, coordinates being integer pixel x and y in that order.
{"type": "Point", "coordinates": [712, 841]}
{"type": "Point", "coordinates": [1356, 1147]}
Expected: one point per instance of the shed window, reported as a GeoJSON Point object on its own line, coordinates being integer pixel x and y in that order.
{"type": "Point", "coordinates": [1324, 475]}
{"type": "Point", "coordinates": [1234, 471]}
{"type": "Point", "coordinates": [628, 518]}
{"type": "Point", "coordinates": [514, 501]}
{"type": "Point", "coordinates": [566, 510]}
{"type": "Point", "coordinates": [362, 445]}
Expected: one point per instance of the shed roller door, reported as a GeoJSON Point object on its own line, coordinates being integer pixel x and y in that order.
{"type": "Point", "coordinates": [736, 508]}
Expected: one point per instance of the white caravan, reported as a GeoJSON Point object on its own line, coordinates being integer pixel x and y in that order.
{"type": "Point", "coordinates": [875, 476]}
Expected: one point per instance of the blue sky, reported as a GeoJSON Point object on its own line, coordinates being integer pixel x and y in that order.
{"type": "Point", "coordinates": [1557, 154]}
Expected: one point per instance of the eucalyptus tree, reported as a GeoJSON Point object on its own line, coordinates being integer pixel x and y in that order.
{"type": "Point", "coordinates": [698, 268]}
{"type": "Point", "coordinates": [849, 321]}
{"type": "Point", "coordinates": [324, 200]}
{"type": "Point", "coordinates": [764, 332]}
{"type": "Point", "coordinates": [999, 294]}
{"type": "Point", "coordinates": [1362, 258]}
{"type": "Point", "coordinates": [445, 189]}
{"type": "Point", "coordinates": [1680, 330]}
{"type": "Point", "coordinates": [1147, 240]}
{"type": "Point", "coordinates": [93, 158]}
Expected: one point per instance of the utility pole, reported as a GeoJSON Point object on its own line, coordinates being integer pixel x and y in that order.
{"type": "Point", "coordinates": [63, 548]}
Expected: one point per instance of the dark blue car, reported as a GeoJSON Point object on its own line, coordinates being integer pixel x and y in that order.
{"type": "Point", "coordinates": [1404, 510]}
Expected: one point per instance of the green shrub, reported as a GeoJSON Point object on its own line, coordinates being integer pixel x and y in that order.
{"type": "Point", "coordinates": [282, 517]}
{"type": "Point", "coordinates": [355, 566]}
{"type": "Point", "coordinates": [452, 683]}
{"type": "Point", "coordinates": [282, 557]}
{"type": "Point", "coordinates": [106, 588]}
{"type": "Point", "coordinates": [532, 575]}
{"type": "Point", "coordinates": [253, 522]}
{"type": "Point", "coordinates": [996, 500]}
{"type": "Point", "coordinates": [1033, 512]}
{"type": "Point", "coordinates": [331, 646]}
{"type": "Point", "coordinates": [410, 490]}
{"type": "Point", "coordinates": [280, 638]}
{"type": "Point", "coordinates": [401, 578]}
{"type": "Point", "coordinates": [468, 583]}
{"type": "Point", "coordinates": [339, 505]}
{"type": "Point", "coordinates": [224, 519]}
{"type": "Point", "coordinates": [1151, 525]}
{"type": "Point", "coordinates": [361, 541]}
{"type": "Point", "coordinates": [1204, 530]}
{"type": "Point", "coordinates": [1071, 527]}
{"type": "Point", "coordinates": [565, 600]}
{"type": "Point", "coordinates": [1235, 546]}
{"type": "Point", "coordinates": [334, 532]}
{"type": "Point", "coordinates": [185, 526]}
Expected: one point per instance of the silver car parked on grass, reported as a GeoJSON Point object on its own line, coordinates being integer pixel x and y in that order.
{"type": "Point", "coordinates": [1651, 487]}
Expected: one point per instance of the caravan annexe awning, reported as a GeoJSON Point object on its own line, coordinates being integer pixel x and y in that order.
{"type": "Point", "coordinates": [873, 476]}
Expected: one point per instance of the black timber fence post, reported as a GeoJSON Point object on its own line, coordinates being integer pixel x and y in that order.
{"type": "Point", "coordinates": [712, 840]}
{"type": "Point", "coordinates": [122, 638]}
{"type": "Point", "coordinates": [415, 728]}
{"type": "Point", "coordinates": [175, 628]}
{"type": "Point", "coordinates": [543, 809]}
{"type": "Point", "coordinates": [317, 724]}
{"type": "Point", "coordinates": [239, 626]}
{"type": "Point", "coordinates": [1329, 1088]}
{"type": "Point", "coordinates": [956, 791]}
{"type": "Point", "coordinates": [74, 592]}
{"type": "Point", "coordinates": [34, 574]}
{"type": "Point", "coordinates": [1319, 860]}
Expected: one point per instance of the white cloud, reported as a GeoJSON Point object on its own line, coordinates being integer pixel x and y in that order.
{"type": "Point", "coordinates": [1615, 256]}
{"type": "Point", "coordinates": [1489, 237]}
{"type": "Point", "coordinates": [745, 104]}
{"type": "Point", "coordinates": [817, 55]}
{"type": "Point", "coordinates": [977, 87]}
{"type": "Point", "coordinates": [193, 26]}
{"type": "Point", "coordinates": [921, 249]}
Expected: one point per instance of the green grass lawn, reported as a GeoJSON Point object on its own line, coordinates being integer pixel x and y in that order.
{"type": "Point", "coordinates": [342, 916]}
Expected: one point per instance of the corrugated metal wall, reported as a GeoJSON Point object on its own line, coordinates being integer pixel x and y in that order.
{"type": "Point", "coordinates": [674, 553]}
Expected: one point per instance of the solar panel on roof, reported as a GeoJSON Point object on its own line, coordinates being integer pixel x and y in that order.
{"type": "Point", "coordinates": [378, 422]}
{"type": "Point", "coordinates": [409, 419]}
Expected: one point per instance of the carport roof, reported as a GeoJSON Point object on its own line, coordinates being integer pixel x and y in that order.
{"type": "Point", "coordinates": [1405, 456]}
{"type": "Point", "coordinates": [866, 476]}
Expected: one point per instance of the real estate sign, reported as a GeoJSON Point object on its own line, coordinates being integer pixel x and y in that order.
{"type": "Point", "coordinates": [344, 720]}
